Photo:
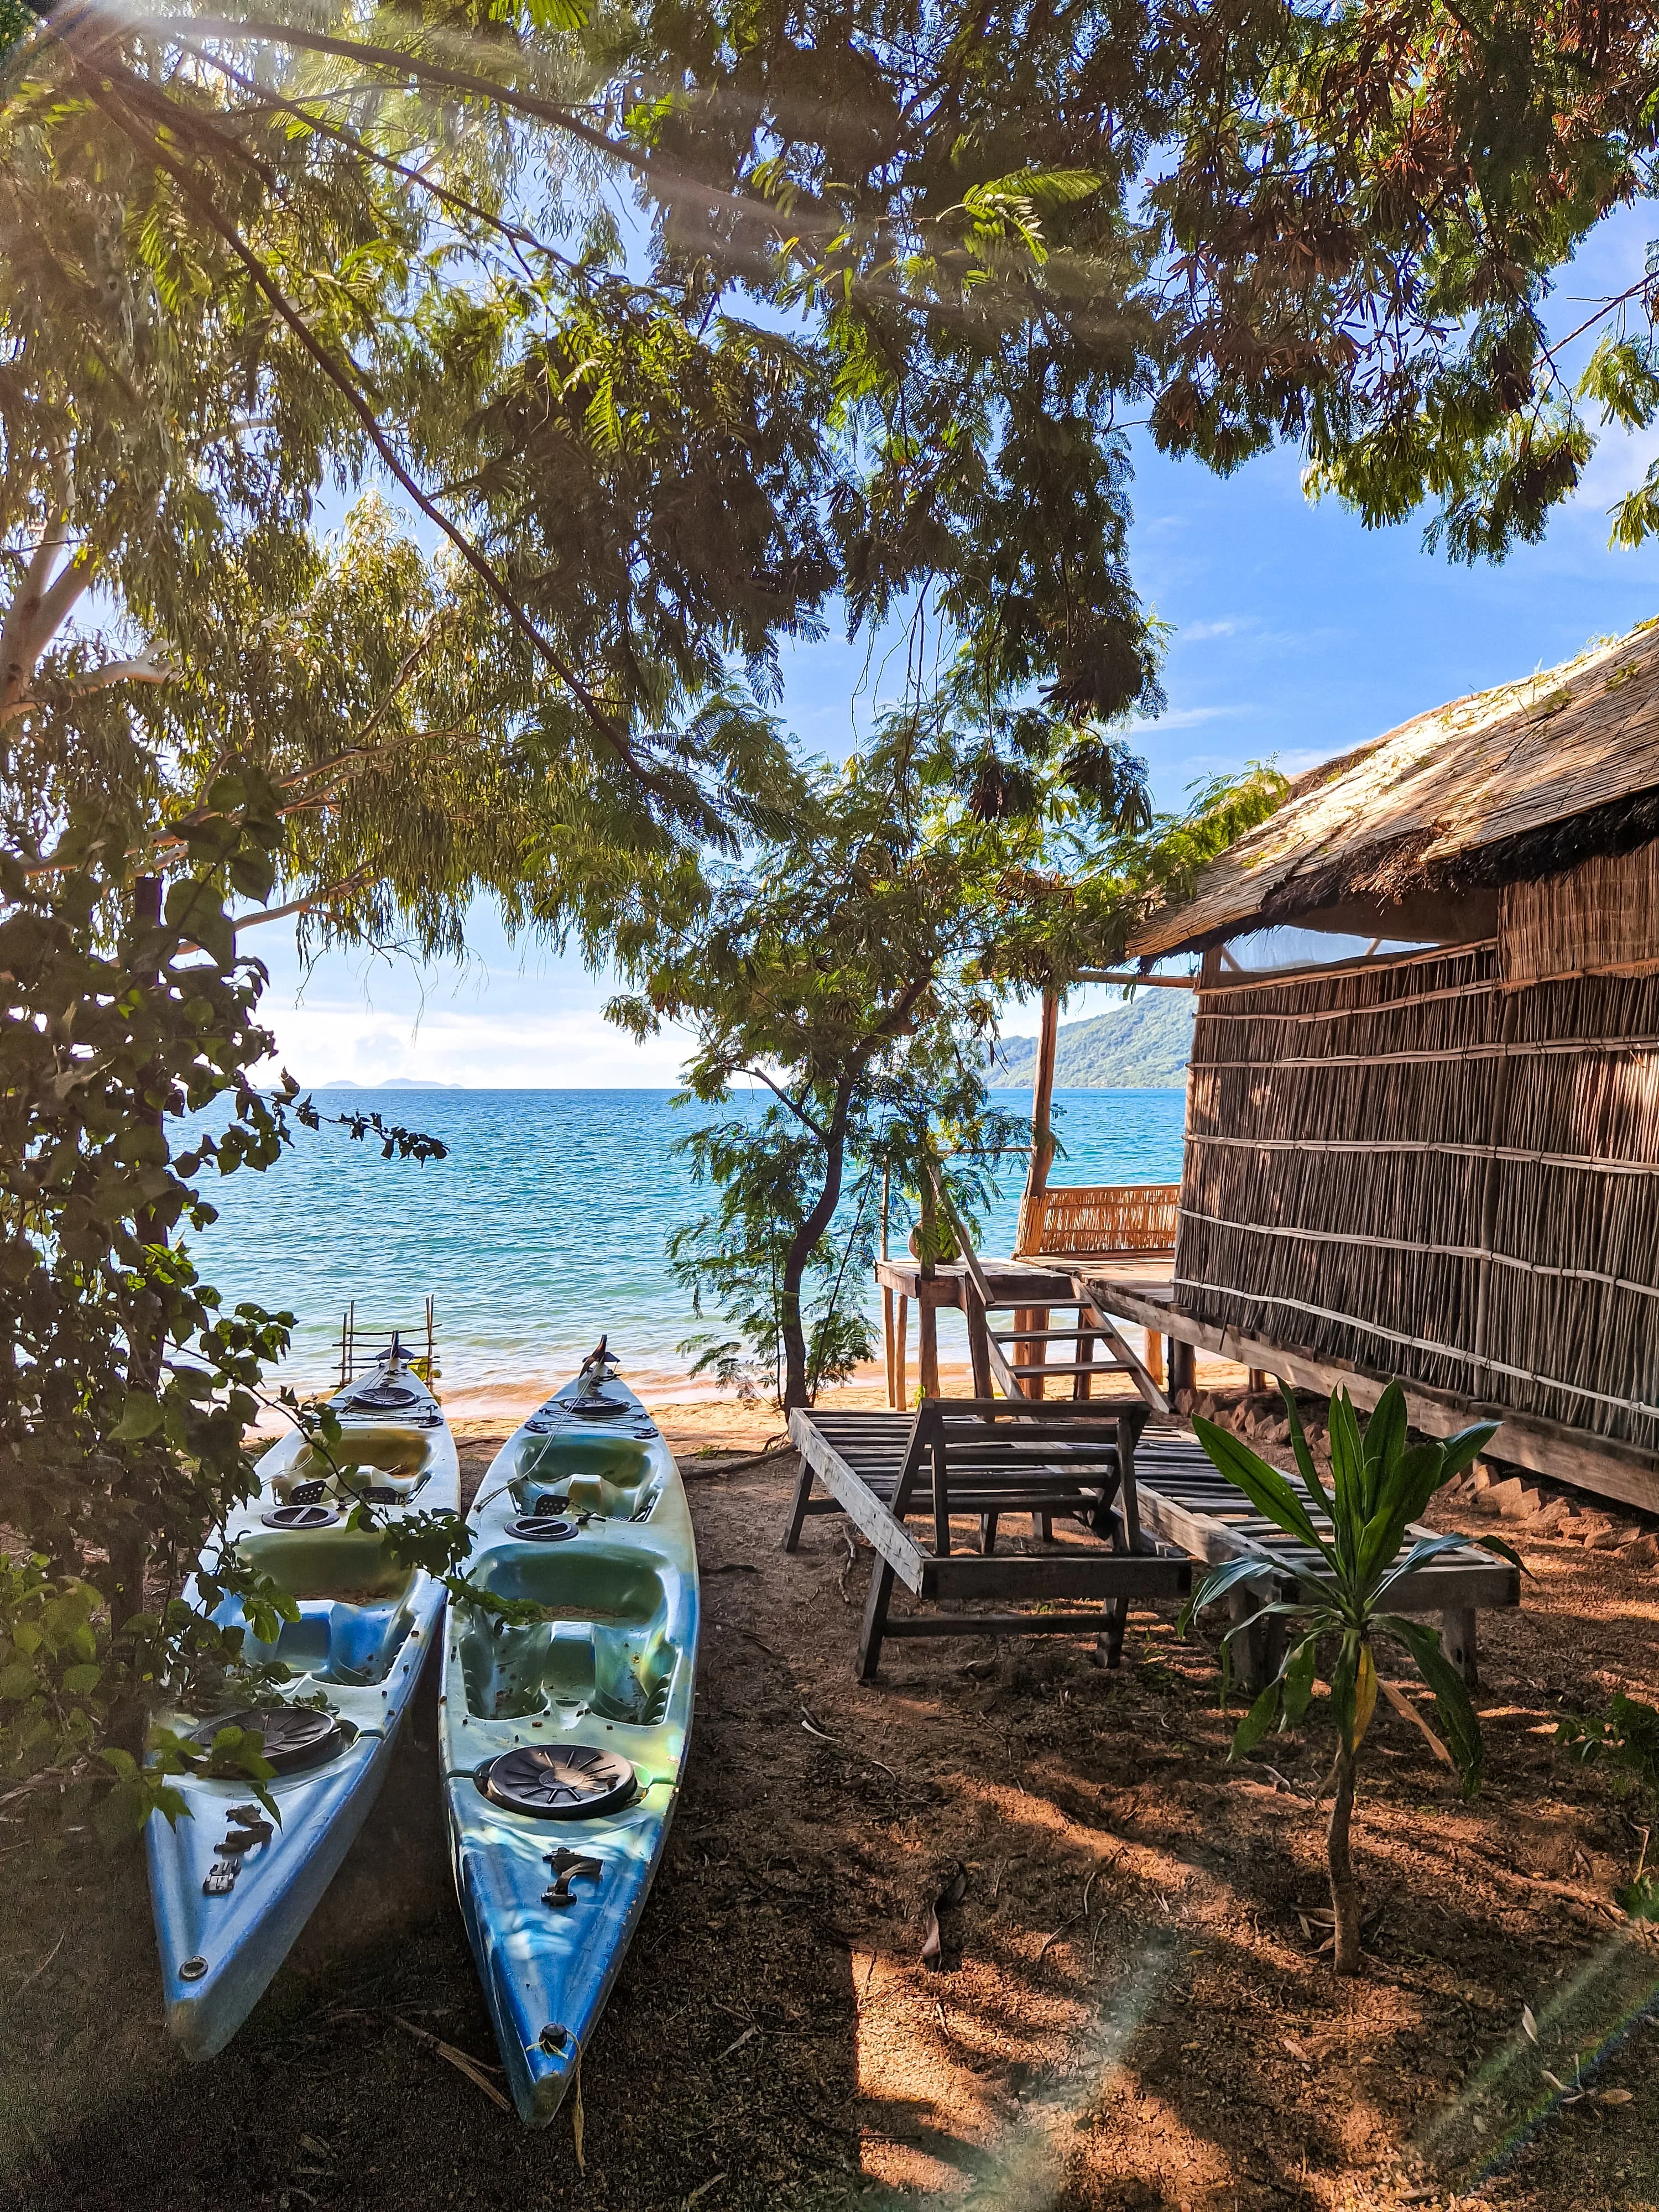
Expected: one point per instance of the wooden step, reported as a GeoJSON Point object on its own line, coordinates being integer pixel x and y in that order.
{"type": "Point", "coordinates": [1073, 1367]}
{"type": "Point", "coordinates": [1041, 1335]}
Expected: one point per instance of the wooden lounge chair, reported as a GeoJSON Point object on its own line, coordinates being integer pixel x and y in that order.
{"type": "Point", "coordinates": [986, 1457]}
{"type": "Point", "coordinates": [1184, 1498]}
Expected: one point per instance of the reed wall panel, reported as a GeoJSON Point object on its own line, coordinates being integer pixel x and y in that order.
{"type": "Point", "coordinates": [1416, 1168]}
{"type": "Point", "coordinates": [1602, 915]}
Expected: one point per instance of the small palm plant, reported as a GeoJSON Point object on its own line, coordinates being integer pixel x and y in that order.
{"type": "Point", "coordinates": [1379, 1487]}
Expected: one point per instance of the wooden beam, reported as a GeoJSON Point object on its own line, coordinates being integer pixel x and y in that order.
{"type": "Point", "coordinates": [1542, 1447]}
{"type": "Point", "coordinates": [1097, 1574]}
{"type": "Point", "coordinates": [862, 1507]}
{"type": "Point", "coordinates": [1128, 975]}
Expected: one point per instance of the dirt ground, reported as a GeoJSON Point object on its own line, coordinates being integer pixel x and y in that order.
{"type": "Point", "coordinates": [1132, 2010]}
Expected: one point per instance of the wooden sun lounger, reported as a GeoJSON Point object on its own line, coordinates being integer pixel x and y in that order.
{"type": "Point", "coordinates": [1183, 1498]}
{"type": "Point", "coordinates": [986, 1457]}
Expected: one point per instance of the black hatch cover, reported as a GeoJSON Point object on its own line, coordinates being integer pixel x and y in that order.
{"type": "Point", "coordinates": [558, 1782]}
{"type": "Point", "coordinates": [295, 1735]}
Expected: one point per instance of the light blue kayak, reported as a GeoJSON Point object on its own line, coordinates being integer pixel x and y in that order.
{"type": "Point", "coordinates": [230, 1890]}
{"type": "Point", "coordinates": [563, 1737]}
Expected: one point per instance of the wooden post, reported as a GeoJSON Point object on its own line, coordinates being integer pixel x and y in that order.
{"type": "Point", "coordinates": [1155, 1357]}
{"type": "Point", "coordinates": [927, 1346]}
{"type": "Point", "coordinates": [978, 1347]}
{"type": "Point", "coordinates": [1183, 1366]}
{"type": "Point", "coordinates": [1458, 1640]}
{"type": "Point", "coordinates": [1037, 1354]}
{"type": "Point", "coordinates": [1043, 1135]}
{"type": "Point", "coordinates": [899, 1351]}
{"type": "Point", "coordinates": [888, 1348]}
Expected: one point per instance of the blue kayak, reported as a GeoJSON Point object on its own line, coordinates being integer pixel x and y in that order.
{"type": "Point", "coordinates": [563, 1735]}
{"type": "Point", "coordinates": [230, 1889]}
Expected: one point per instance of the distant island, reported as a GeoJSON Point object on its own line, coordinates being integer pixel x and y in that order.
{"type": "Point", "coordinates": [391, 1083]}
{"type": "Point", "coordinates": [1145, 1045]}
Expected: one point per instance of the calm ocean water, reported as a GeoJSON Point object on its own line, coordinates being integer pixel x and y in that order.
{"type": "Point", "coordinates": [544, 1225]}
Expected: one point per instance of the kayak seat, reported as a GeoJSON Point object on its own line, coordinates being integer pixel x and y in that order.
{"type": "Point", "coordinates": [352, 1645]}
{"type": "Point", "coordinates": [515, 1673]}
{"type": "Point", "coordinates": [605, 1642]}
{"type": "Point", "coordinates": [364, 1641]}
{"type": "Point", "coordinates": [609, 1475]}
{"type": "Point", "coordinates": [397, 1459]}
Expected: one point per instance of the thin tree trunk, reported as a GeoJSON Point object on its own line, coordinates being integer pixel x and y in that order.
{"type": "Point", "coordinates": [129, 1554]}
{"type": "Point", "coordinates": [802, 1246]}
{"type": "Point", "coordinates": [1345, 1891]}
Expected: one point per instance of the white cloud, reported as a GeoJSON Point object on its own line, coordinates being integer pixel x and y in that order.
{"type": "Point", "coordinates": [1190, 718]}
{"type": "Point", "coordinates": [504, 1022]}
{"type": "Point", "coordinates": [331, 1041]}
{"type": "Point", "coordinates": [1196, 633]}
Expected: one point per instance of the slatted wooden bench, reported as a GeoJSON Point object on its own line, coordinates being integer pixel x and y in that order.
{"type": "Point", "coordinates": [986, 1457]}
{"type": "Point", "coordinates": [1184, 1499]}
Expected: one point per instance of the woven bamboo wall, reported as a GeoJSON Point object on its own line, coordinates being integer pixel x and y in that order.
{"type": "Point", "coordinates": [1096, 1217]}
{"type": "Point", "coordinates": [1416, 1168]}
{"type": "Point", "coordinates": [1601, 918]}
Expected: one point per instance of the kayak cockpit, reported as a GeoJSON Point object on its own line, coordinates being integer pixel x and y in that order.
{"type": "Point", "coordinates": [356, 1612]}
{"type": "Point", "coordinates": [387, 1463]}
{"type": "Point", "coordinates": [617, 1477]}
{"type": "Point", "coordinates": [605, 1643]}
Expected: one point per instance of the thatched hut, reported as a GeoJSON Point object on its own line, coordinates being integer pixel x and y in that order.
{"type": "Point", "coordinates": [1438, 1157]}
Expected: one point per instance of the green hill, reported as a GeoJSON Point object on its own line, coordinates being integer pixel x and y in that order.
{"type": "Point", "coordinates": [1144, 1046]}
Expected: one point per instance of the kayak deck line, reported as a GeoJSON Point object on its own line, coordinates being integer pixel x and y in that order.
{"type": "Point", "coordinates": [354, 1656]}
{"type": "Point", "coordinates": [564, 1725]}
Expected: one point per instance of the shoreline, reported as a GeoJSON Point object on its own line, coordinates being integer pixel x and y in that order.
{"type": "Point", "coordinates": [502, 1403]}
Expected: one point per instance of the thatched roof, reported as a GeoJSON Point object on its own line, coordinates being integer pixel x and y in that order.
{"type": "Point", "coordinates": [1415, 833]}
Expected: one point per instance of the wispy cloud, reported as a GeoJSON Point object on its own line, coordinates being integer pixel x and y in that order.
{"type": "Point", "coordinates": [1228, 626]}
{"type": "Point", "coordinates": [1192, 717]}
{"type": "Point", "coordinates": [339, 1040]}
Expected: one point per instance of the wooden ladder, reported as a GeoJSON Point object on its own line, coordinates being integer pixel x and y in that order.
{"type": "Point", "coordinates": [994, 1353]}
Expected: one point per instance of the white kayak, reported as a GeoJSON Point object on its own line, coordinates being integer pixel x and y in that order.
{"type": "Point", "coordinates": [230, 1889]}
{"type": "Point", "coordinates": [563, 1737]}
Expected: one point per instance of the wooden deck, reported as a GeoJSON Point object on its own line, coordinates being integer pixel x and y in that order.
{"type": "Point", "coordinates": [1138, 1287]}
{"type": "Point", "coordinates": [1610, 1469]}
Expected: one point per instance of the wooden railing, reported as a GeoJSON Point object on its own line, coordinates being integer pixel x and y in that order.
{"type": "Point", "coordinates": [1093, 1218]}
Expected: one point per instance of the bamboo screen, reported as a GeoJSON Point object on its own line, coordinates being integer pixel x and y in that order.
{"type": "Point", "coordinates": [1413, 1169]}
{"type": "Point", "coordinates": [1094, 1217]}
{"type": "Point", "coordinates": [1602, 917]}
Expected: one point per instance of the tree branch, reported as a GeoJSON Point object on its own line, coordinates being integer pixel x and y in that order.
{"type": "Point", "coordinates": [262, 914]}
{"type": "Point", "coordinates": [37, 609]}
{"type": "Point", "coordinates": [268, 101]}
{"type": "Point", "coordinates": [675, 181]}
{"type": "Point", "coordinates": [346, 385]}
{"type": "Point", "coordinates": [143, 671]}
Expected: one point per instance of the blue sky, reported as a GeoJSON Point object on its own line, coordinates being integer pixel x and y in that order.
{"type": "Point", "coordinates": [1297, 634]}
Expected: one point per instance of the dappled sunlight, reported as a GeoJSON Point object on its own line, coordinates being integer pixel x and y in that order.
{"type": "Point", "coordinates": [1550, 2065]}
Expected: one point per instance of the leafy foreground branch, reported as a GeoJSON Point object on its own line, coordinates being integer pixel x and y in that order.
{"type": "Point", "coordinates": [128, 1033]}
{"type": "Point", "coordinates": [1380, 1485]}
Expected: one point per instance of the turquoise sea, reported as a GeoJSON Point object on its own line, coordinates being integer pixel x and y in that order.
{"type": "Point", "coordinates": [545, 1224]}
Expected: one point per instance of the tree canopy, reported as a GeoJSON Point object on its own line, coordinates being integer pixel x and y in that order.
{"type": "Point", "coordinates": [850, 972]}
{"type": "Point", "coordinates": [681, 331]}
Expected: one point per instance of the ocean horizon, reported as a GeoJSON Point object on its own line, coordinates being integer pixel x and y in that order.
{"type": "Point", "coordinates": [546, 1225]}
